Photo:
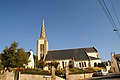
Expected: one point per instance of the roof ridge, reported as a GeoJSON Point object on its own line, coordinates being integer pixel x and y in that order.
{"type": "Point", "coordinates": [72, 49]}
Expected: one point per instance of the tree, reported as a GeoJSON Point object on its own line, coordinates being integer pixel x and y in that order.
{"type": "Point", "coordinates": [1, 66]}
{"type": "Point", "coordinates": [21, 57]}
{"type": "Point", "coordinates": [41, 64]}
{"type": "Point", "coordinates": [14, 57]}
{"type": "Point", "coordinates": [102, 65]}
{"type": "Point", "coordinates": [54, 63]}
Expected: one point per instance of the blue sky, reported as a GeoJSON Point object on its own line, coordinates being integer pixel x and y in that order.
{"type": "Point", "coordinates": [68, 24]}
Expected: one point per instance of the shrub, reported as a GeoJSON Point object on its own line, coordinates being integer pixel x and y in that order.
{"type": "Point", "coordinates": [101, 65]}
{"type": "Point", "coordinates": [80, 71]}
{"type": "Point", "coordinates": [54, 63]}
{"type": "Point", "coordinates": [89, 70]}
{"type": "Point", "coordinates": [36, 71]}
{"type": "Point", "coordinates": [76, 71]}
{"type": "Point", "coordinates": [97, 68]}
{"type": "Point", "coordinates": [59, 72]}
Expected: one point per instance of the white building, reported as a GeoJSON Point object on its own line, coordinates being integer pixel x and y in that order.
{"type": "Point", "coordinates": [80, 57]}
{"type": "Point", "coordinates": [30, 60]}
{"type": "Point", "coordinates": [74, 57]}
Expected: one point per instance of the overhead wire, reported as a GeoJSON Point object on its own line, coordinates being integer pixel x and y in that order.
{"type": "Point", "coordinates": [109, 16]}
{"type": "Point", "coordinates": [103, 7]}
{"type": "Point", "coordinates": [115, 13]}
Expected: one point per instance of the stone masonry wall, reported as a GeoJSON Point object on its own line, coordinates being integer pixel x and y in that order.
{"type": "Point", "coordinates": [34, 77]}
{"type": "Point", "coordinates": [37, 77]}
{"type": "Point", "coordinates": [10, 76]}
{"type": "Point", "coordinates": [80, 76]}
{"type": "Point", "coordinates": [7, 76]}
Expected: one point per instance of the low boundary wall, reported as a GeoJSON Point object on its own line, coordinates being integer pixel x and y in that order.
{"type": "Point", "coordinates": [80, 76]}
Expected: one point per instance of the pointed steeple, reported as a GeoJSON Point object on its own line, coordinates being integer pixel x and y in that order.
{"type": "Point", "coordinates": [43, 35]}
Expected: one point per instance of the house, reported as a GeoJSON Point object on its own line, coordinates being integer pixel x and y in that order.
{"type": "Point", "coordinates": [115, 62]}
{"type": "Point", "coordinates": [30, 63]}
{"type": "Point", "coordinates": [80, 57]}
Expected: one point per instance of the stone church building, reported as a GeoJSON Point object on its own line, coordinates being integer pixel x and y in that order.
{"type": "Point", "coordinates": [79, 57]}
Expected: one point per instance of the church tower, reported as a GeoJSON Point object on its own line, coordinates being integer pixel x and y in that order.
{"type": "Point", "coordinates": [42, 44]}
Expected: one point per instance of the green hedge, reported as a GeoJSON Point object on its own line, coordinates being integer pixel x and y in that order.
{"type": "Point", "coordinates": [59, 72]}
{"type": "Point", "coordinates": [36, 71]}
{"type": "Point", "coordinates": [80, 71]}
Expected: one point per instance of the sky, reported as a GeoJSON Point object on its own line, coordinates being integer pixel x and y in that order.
{"type": "Point", "coordinates": [68, 24]}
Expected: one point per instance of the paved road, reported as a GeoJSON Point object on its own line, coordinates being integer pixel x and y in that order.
{"type": "Point", "coordinates": [110, 76]}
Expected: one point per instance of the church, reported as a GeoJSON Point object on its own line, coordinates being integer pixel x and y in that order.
{"type": "Point", "coordinates": [79, 57]}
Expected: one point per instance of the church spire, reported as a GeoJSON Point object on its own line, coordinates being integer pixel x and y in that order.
{"type": "Point", "coordinates": [43, 35]}
{"type": "Point", "coordinates": [42, 44]}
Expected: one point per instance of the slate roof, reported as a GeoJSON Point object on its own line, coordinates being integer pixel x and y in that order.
{"type": "Point", "coordinates": [77, 54]}
{"type": "Point", "coordinates": [93, 58]}
{"type": "Point", "coordinates": [90, 49]}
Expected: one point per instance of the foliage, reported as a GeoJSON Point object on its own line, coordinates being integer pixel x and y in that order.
{"type": "Point", "coordinates": [89, 70]}
{"type": "Point", "coordinates": [36, 71]}
{"type": "Point", "coordinates": [102, 65]}
{"type": "Point", "coordinates": [74, 70]}
{"type": "Point", "coordinates": [54, 63]}
{"type": "Point", "coordinates": [14, 57]}
{"type": "Point", "coordinates": [59, 72]}
{"type": "Point", "coordinates": [1, 66]}
{"type": "Point", "coordinates": [97, 68]}
{"type": "Point", "coordinates": [41, 64]}
{"type": "Point", "coordinates": [80, 71]}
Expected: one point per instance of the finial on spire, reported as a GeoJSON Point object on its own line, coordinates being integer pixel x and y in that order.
{"type": "Point", "coordinates": [43, 35]}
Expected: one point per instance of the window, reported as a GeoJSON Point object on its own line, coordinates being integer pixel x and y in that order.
{"type": "Point", "coordinates": [84, 64]}
{"type": "Point", "coordinates": [63, 64]}
{"type": "Point", "coordinates": [95, 64]}
{"type": "Point", "coordinates": [41, 48]}
{"type": "Point", "coordinates": [80, 64]}
{"type": "Point", "coordinates": [70, 64]}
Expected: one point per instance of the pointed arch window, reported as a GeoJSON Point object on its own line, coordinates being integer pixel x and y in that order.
{"type": "Point", "coordinates": [84, 64]}
{"type": "Point", "coordinates": [42, 48]}
{"type": "Point", "coordinates": [80, 64]}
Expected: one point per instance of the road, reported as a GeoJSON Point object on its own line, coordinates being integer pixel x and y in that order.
{"type": "Point", "coordinates": [110, 76]}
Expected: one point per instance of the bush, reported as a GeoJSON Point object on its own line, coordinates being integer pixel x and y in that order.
{"type": "Point", "coordinates": [59, 72]}
{"type": "Point", "coordinates": [76, 71]}
{"type": "Point", "coordinates": [54, 63]}
{"type": "Point", "coordinates": [36, 71]}
{"type": "Point", "coordinates": [80, 71]}
{"type": "Point", "coordinates": [89, 70]}
{"type": "Point", "coordinates": [97, 68]}
{"type": "Point", "coordinates": [101, 65]}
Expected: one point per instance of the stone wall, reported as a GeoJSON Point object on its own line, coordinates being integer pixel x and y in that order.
{"type": "Point", "coordinates": [10, 76]}
{"type": "Point", "coordinates": [80, 76]}
{"type": "Point", "coordinates": [7, 76]}
{"type": "Point", "coordinates": [34, 77]}
{"type": "Point", "coordinates": [1, 76]}
{"type": "Point", "coordinates": [37, 77]}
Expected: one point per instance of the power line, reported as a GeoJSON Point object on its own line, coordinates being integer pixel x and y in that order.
{"type": "Point", "coordinates": [115, 12]}
{"type": "Point", "coordinates": [109, 16]}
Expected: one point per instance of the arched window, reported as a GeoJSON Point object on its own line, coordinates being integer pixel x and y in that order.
{"type": "Point", "coordinates": [70, 64]}
{"type": "Point", "coordinates": [80, 64]}
{"type": "Point", "coordinates": [95, 64]}
{"type": "Point", "coordinates": [84, 64]}
{"type": "Point", "coordinates": [63, 64]}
